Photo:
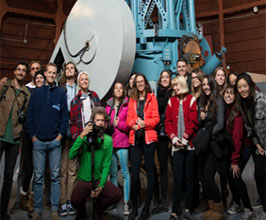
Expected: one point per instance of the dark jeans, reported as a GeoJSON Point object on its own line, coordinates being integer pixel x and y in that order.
{"type": "Point", "coordinates": [260, 177]}
{"type": "Point", "coordinates": [11, 153]}
{"type": "Point", "coordinates": [26, 147]}
{"type": "Point", "coordinates": [212, 165]}
{"type": "Point", "coordinates": [237, 185]}
{"type": "Point", "coordinates": [82, 189]}
{"type": "Point", "coordinates": [136, 155]}
{"type": "Point", "coordinates": [163, 153]}
{"type": "Point", "coordinates": [183, 166]}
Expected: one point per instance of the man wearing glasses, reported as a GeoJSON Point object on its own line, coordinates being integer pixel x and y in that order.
{"type": "Point", "coordinates": [34, 67]}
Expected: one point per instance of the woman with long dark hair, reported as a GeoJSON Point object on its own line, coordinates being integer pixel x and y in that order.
{"type": "Point", "coordinates": [117, 108]}
{"type": "Point", "coordinates": [142, 119]}
{"type": "Point", "coordinates": [164, 92]}
{"type": "Point", "coordinates": [239, 154]}
{"type": "Point", "coordinates": [181, 123]}
{"type": "Point", "coordinates": [219, 76]}
{"type": "Point", "coordinates": [212, 110]}
{"type": "Point", "coordinates": [253, 110]}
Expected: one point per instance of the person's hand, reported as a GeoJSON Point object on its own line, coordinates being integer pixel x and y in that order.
{"type": "Point", "coordinates": [235, 170]}
{"type": "Point", "coordinates": [260, 149]}
{"type": "Point", "coordinates": [86, 130]}
{"type": "Point", "coordinates": [116, 121]}
{"type": "Point", "coordinates": [177, 142]}
{"type": "Point", "coordinates": [59, 137]}
{"type": "Point", "coordinates": [141, 123]}
{"type": "Point", "coordinates": [135, 127]}
{"type": "Point", "coordinates": [95, 193]}
{"type": "Point", "coordinates": [34, 138]}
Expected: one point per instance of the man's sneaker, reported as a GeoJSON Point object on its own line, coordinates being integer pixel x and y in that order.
{"type": "Point", "coordinates": [188, 215]}
{"type": "Point", "coordinates": [63, 210]}
{"type": "Point", "coordinates": [257, 204]}
{"type": "Point", "coordinates": [36, 216]}
{"type": "Point", "coordinates": [54, 215]}
{"type": "Point", "coordinates": [111, 208]}
{"type": "Point", "coordinates": [262, 216]}
{"type": "Point", "coordinates": [15, 207]}
{"type": "Point", "coordinates": [248, 215]}
{"type": "Point", "coordinates": [234, 208]}
{"type": "Point", "coordinates": [70, 209]}
{"type": "Point", "coordinates": [126, 209]}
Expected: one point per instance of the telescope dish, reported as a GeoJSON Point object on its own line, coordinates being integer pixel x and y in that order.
{"type": "Point", "coordinates": [105, 30]}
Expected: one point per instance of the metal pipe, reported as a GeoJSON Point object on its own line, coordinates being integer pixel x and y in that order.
{"type": "Point", "coordinates": [191, 12]}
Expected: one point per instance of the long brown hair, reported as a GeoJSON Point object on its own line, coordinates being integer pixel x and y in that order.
{"type": "Point", "coordinates": [200, 75]}
{"type": "Point", "coordinates": [62, 80]}
{"type": "Point", "coordinates": [135, 92]}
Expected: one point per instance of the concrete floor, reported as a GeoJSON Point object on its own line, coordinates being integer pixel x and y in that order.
{"type": "Point", "coordinates": [117, 215]}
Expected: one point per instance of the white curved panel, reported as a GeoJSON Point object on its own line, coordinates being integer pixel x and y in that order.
{"type": "Point", "coordinates": [109, 27]}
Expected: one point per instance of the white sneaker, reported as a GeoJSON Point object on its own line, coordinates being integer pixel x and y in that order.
{"type": "Point", "coordinates": [234, 208]}
{"type": "Point", "coordinates": [126, 209]}
{"type": "Point", "coordinates": [248, 215]}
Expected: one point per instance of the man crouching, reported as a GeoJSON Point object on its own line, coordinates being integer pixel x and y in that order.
{"type": "Point", "coordinates": [93, 139]}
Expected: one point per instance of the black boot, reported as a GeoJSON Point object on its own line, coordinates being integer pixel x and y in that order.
{"type": "Point", "coordinates": [145, 214]}
{"type": "Point", "coordinates": [133, 214]}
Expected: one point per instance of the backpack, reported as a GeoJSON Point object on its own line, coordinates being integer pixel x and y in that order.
{"type": "Point", "coordinates": [6, 86]}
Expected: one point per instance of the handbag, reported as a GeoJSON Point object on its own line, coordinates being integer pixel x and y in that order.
{"type": "Point", "coordinates": [202, 138]}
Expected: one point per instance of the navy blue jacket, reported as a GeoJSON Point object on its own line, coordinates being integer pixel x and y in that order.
{"type": "Point", "coordinates": [47, 114]}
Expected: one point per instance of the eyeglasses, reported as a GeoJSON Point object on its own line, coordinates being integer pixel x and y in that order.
{"type": "Point", "coordinates": [195, 78]}
{"type": "Point", "coordinates": [35, 68]}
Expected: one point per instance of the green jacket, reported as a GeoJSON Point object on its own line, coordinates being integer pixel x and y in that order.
{"type": "Point", "coordinates": [6, 106]}
{"type": "Point", "coordinates": [103, 155]}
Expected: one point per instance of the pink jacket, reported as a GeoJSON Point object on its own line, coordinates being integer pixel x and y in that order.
{"type": "Point", "coordinates": [120, 135]}
{"type": "Point", "coordinates": [151, 118]}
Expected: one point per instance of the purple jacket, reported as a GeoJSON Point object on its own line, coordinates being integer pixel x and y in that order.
{"type": "Point", "coordinates": [120, 135]}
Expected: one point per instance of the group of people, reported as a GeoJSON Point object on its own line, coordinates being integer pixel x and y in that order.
{"type": "Point", "coordinates": [205, 124]}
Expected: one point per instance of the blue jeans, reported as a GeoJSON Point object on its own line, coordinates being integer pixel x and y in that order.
{"type": "Point", "coordinates": [122, 156]}
{"type": "Point", "coordinates": [40, 150]}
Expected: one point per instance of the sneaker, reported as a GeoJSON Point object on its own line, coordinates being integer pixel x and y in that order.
{"type": "Point", "coordinates": [133, 214]}
{"type": "Point", "coordinates": [234, 208]}
{"type": "Point", "coordinates": [126, 209]}
{"type": "Point", "coordinates": [15, 207]}
{"type": "Point", "coordinates": [111, 208]}
{"type": "Point", "coordinates": [188, 215]}
{"type": "Point", "coordinates": [54, 215]}
{"type": "Point", "coordinates": [145, 214]}
{"type": "Point", "coordinates": [248, 215]}
{"type": "Point", "coordinates": [36, 216]}
{"type": "Point", "coordinates": [262, 216]}
{"type": "Point", "coordinates": [257, 204]}
{"type": "Point", "coordinates": [70, 209]}
{"type": "Point", "coordinates": [63, 210]}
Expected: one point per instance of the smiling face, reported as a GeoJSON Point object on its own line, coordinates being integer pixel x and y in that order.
{"type": "Point", "coordinates": [39, 80]}
{"type": "Point", "coordinates": [118, 90]}
{"type": "Point", "coordinates": [195, 80]}
{"type": "Point", "coordinates": [229, 96]}
{"type": "Point", "coordinates": [243, 88]}
{"type": "Point", "coordinates": [84, 82]}
{"type": "Point", "coordinates": [177, 89]}
{"type": "Point", "coordinates": [165, 80]}
{"type": "Point", "coordinates": [50, 74]}
{"type": "Point", "coordinates": [206, 87]}
{"type": "Point", "coordinates": [20, 72]}
{"type": "Point", "coordinates": [220, 77]}
{"type": "Point", "coordinates": [140, 84]}
{"type": "Point", "coordinates": [232, 79]}
{"type": "Point", "coordinates": [181, 68]}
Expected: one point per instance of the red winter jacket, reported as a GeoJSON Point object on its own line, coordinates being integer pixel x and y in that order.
{"type": "Point", "coordinates": [190, 117]}
{"type": "Point", "coordinates": [151, 118]}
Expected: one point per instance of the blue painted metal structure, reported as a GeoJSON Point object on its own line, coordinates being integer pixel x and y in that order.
{"type": "Point", "coordinates": [157, 44]}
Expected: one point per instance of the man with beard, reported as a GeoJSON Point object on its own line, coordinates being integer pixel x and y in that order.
{"type": "Point", "coordinates": [13, 105]}
{"type": "Point", "coordinates": [181, 66]}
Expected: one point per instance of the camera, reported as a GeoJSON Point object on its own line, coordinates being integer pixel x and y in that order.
{"type": "Point", "coordinates": [97, 131]}
{"type": "Point", "coordinates": [21, 116]}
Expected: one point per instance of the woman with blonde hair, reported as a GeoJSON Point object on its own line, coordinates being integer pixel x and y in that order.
{"type": "Point", "coordinates": [181, 123]}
